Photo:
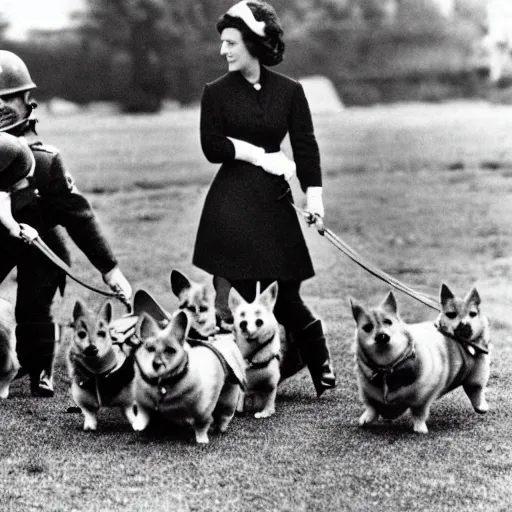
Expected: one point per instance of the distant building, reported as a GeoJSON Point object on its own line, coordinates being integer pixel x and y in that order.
{"type": "Point", "coordinates": [497, 43]}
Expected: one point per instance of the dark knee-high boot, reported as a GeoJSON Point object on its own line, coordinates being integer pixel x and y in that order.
{"type": "Point", "coordinates": [314, 351]}
{"type": "Point", "coordinates": [291, 360]}
{"type": "Point", "coordinates": [35, 346]}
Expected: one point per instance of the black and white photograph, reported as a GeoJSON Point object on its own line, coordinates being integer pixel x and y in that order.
{"type": "Point", "coordinates": [255, 255]}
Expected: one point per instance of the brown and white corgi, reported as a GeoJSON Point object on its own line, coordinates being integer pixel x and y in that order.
{"type": "Point", "coordinates": [188, 385]}
{"type": "Point", "coordinates": [404, 367]}
{"type": "Point", "coordinates": [102, 375]}
{"type": "Point", "coordinates": [258, 336]}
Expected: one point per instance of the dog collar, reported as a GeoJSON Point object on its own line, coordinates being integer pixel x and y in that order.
{"type": "Point", "coordinates": [263, 364]}
{"type": "Point", "coordinates": [471, 347]}
{"type": "Point", "coordinates": [259, 348]}
{"type": "Point", "coordinates": [400, 373]}
{"type": "Point", "coordinates": [94, 365]}
{"type": "Point", "coordinates": [108, 385]}
{"type": "Point", "coordinates": [195, 335]}
{"type": "Point", "coordinates": [166, 380]}
{"type": "Point", "coordinates": [408, 354]}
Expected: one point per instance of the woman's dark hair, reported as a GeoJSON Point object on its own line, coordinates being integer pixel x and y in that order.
{"type": "Point", "coordinates": [269, 49]}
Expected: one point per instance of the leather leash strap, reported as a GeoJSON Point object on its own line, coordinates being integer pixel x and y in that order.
{"type": "Point", "coordinates": [31, 236]}
{"type": "Point", "coordinates": [428, 300]}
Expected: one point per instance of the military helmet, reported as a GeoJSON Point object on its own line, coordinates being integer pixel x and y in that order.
{"type": "Point", "coordinates": [14, 75]}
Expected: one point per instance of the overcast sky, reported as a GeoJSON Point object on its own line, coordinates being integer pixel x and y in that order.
{"type": "Point", "coordinates": [27, 14]}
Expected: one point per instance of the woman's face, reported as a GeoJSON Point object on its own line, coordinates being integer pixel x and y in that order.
{"type": "Point", "coordinates": [234, 49]}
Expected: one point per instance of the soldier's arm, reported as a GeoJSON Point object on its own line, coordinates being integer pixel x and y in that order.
{"type": "Point", "coordinates": [73, 211]}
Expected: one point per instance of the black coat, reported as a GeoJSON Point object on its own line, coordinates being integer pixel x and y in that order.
{"type": "Point", "coordinates": [248, 228]}
{"type": "Point", "coordinates": [52, 199]}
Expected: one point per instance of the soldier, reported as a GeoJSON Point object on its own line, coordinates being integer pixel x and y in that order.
{"type": "Point", "coordinates": [36, 189]}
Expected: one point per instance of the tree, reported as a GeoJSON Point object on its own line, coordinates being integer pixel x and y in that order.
{"type": "Point", "coordinates": [132, 27]}
{"type": "Point", "coordinates": [4, 25]}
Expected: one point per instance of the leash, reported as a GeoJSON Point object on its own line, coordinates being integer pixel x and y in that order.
{"type": "Point", "coordinates": [427, 300]}
{"type": "Point", "coordinates": [31, 236]}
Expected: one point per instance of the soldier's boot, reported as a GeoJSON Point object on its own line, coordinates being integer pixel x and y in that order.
{"type": "Point", "coordinates": [35, 346]}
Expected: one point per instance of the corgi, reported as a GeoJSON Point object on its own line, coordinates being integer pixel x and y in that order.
{"type": "Point", "coordinates": [199, 301]}
{"type": "Point", "coordinates": [9, 365]}
{"type": "Point", "coordinates": [101, 374]}
{"type": "Point", "coordinates": [186, 385]}
{"type": "Point", "coordinates": [257, 334]}
{"type": "Point", "coordinates": [402, 367]}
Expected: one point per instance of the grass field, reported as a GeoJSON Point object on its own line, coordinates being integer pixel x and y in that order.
{"type": "Point", "coordinates": [424, 192]}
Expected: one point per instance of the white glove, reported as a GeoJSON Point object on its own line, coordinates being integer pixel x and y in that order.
{"type": "Point", "coordinates": [246, 151]}
{"type": "Point", "coordinates": [314, 202]}
{"type": "Point", "coordinates": [6, 218]}
{"type": "Point", "coordinates": [118, 283]}
{"type": "Point", "coordinates": [28, 233]}
{"type": "Point", "coordinates": [278, 164]}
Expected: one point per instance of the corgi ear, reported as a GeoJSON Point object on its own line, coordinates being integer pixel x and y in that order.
{"type": "Point", "coordinates": [79, 310]}
{"type": "Point", "coordinates": [446, 294]}
{"type": "Point", "coordinates": [358, 311]}
{"type": "Point", "coordinates": [146, 327]}
{"type": "Point", "coordinates": [389, 304]}
{"type": "Point", "coordinates": [269, 296]}
{"type": "Point", "coordinates": [472, 296]}
{"type": "Point", "coordinates": [179, 282]}
{"type": "Point", "coordinates": [206, 293]}
{"type": "Point", "coordinates": [235, 299]}
{"type": "Point", "coordinates": [106, 311]}
{"type": "Point", "coordinates": [179, 326]}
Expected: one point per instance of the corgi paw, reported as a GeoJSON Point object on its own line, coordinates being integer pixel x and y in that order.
{"type": "Point", "coordinates": [368, 416]}
{"type": "Point", "coordinates": [4, 392]}
{"type": "Point", "coordinates": [482, 407]}
{"type": "Point", "coordinates": [266, 413]}
{"type": "Point", "coordinates": [140, 423]}
{"type": "Point", "coordinates": [90, 425]}
{"type": "Point", "coordinates": [420, 427]}
{"type": "Point", "coordinates": [223, 426]}
{"type": "Point", "coordinates": [202, 438]}
{"type": "Point", "coordinates": [130, 414]}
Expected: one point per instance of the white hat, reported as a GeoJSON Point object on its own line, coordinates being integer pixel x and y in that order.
{"type": "Point", "coordinates": [243, 11]}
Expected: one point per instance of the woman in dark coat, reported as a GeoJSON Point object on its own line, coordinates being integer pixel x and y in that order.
{"type": "Point", "coordinates": [249, 231]}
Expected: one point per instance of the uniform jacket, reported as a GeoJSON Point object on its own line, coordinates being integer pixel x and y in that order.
{"type": "Point", "coordinates": [248, 228]}
{"type": "Point", "coordinates": [52, 199]}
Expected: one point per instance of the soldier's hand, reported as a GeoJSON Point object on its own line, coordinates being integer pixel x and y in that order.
{"type": "Point", "coordinates": [118, 283]}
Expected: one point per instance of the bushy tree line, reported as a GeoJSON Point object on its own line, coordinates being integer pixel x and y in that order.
{"type": "Point", "coordinates": [140, 52]}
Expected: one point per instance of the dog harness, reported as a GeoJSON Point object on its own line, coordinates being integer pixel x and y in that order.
{"type": "Point", "coordinates": [261, 364]}
{"type": "Point", "coordinates": [391, 377]}
{"type": "Point", "coordinates": [473, 347]}
{"type": "Point", "coordinates": [167, 380]}
{"type": "Point", "coordinates": [228, 371]}
{"type": "Point", "coordinates": [164, 382]}
{"type": "Point", "coordinates": [106, 382]}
